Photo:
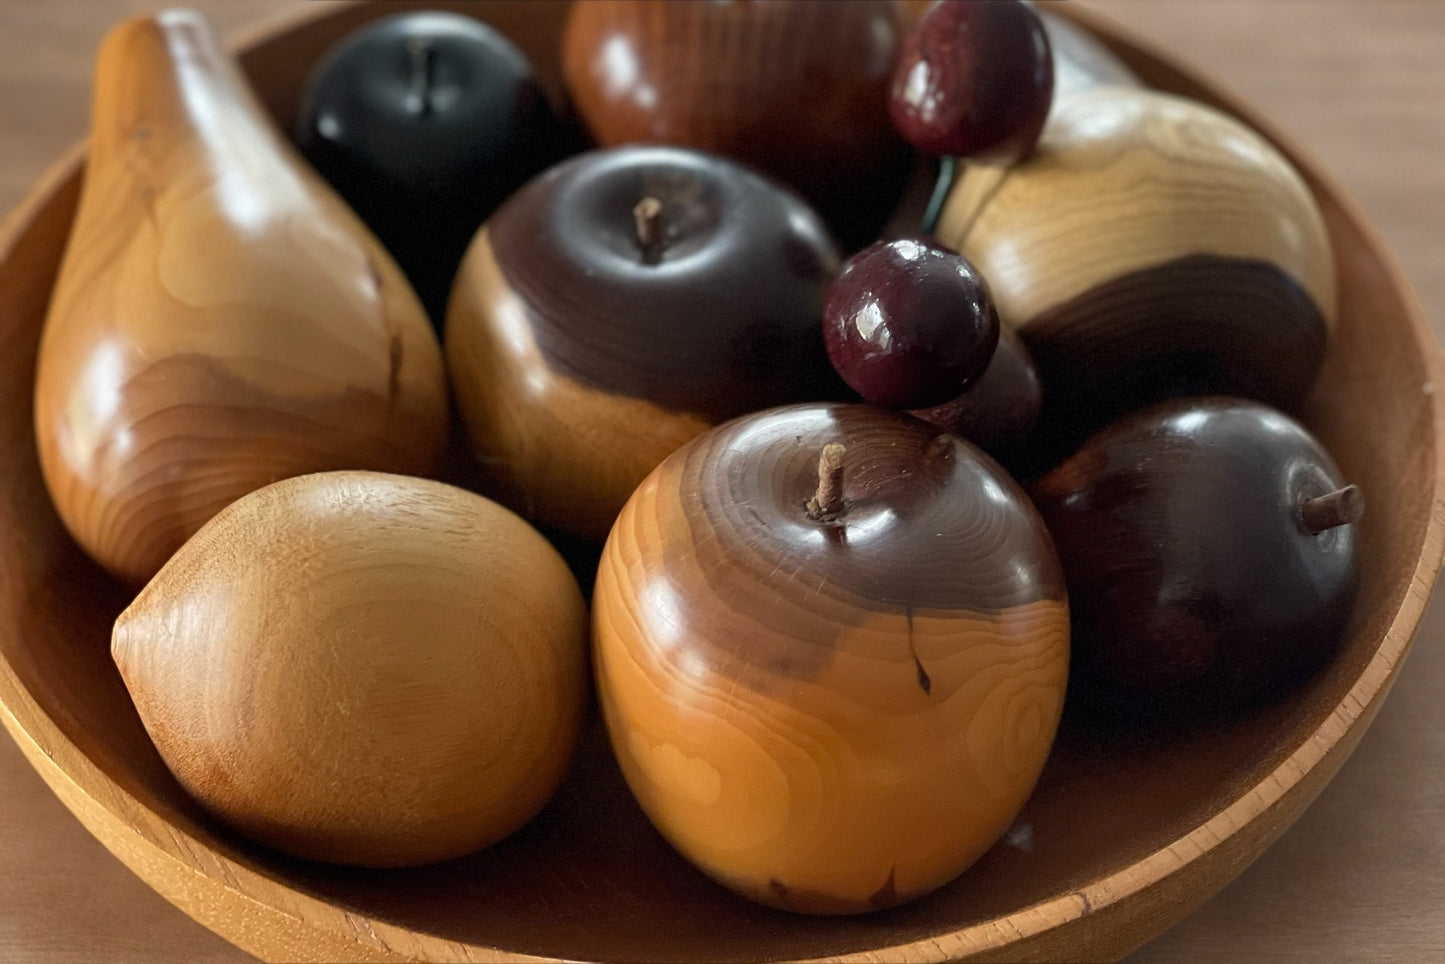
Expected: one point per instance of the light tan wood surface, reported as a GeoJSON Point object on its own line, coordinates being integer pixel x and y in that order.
{"type": "Point", "coordinates": [197, 348]}
{"type": "Point", "coordinates": [1358, 878]}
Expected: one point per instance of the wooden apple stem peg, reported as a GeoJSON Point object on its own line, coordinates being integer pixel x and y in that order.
{"type": "Point", "coordinates": [647, 215]}
{"type": "Point", "coordinates": [1338, 508]}
{"type": "Point", "coordinates": [423, 71]}
{"type": "Point", "coordinates": [827, 503]}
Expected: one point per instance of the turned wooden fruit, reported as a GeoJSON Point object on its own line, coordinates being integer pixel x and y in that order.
{"type": "Point", "coordinates": [998, 411]}
{"type": "Point", "coordinates": [795, 88]}
{"type": "Point", "coordinates": [1210, 551]}
{"type": "Point", "coordinates": [622, 303]}
{"type": "Point", "coordinates": [830, 686]}
{"type": "Point", "coordinates": [425, 122]}
{"type": "Point", "coordinates": [221, 319]}
{"type": "Point", "coordinates": [362, 668]}
{"type": "Point", "coordinates": [1151, 246]}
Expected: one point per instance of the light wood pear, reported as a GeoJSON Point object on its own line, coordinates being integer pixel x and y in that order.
{"type": "Point", "coordinates": [362, 668]}
{"type": "Point", "coordinates": [221, 320]}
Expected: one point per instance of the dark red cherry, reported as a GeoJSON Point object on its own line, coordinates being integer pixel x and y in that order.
{"type": "Point", "coordinates": [975, 79]}
{"type": "Point", "coordinates": [909, 324]}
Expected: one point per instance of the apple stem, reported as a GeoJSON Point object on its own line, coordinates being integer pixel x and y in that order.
{"type": "Point", "coordinates": [423, 70]}
{"type": "Point", "coordinates": [827, 503]}
{"type": "Point", "coordinates": [1338, 508]}
{"type": "Point", "coordinates": [647, 216]}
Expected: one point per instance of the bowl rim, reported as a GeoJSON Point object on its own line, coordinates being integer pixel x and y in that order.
{"type": "Point", "coordinates": [88, 791]}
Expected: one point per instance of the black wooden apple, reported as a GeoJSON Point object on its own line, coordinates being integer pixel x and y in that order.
{"type": "Point", "coordinates": [424, 122]}
{"type": "Point", "coordinates": [1209, 547]}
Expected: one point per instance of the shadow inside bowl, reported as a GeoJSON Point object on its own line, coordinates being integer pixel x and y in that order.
{"type": "Point", "coordinates": [589, 878]}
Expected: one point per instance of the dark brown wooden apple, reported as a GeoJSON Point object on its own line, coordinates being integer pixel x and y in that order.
{"type": "Point", "coordinates": [998, 411]}
{"type": "Point", "coordinates": [795, 88]}
{"type": "Point", "coordinates": [1209, 546]}
{"type": "Point", "coordinates": [622, 303]}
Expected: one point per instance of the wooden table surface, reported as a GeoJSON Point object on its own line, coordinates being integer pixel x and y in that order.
{"type": "Point", "coordinates": [1361, 877]}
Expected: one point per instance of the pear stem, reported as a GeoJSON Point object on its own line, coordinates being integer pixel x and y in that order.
{"type": "Point", "coordinates": [827, 503]}
{"type": "Point", "coordinates": [1338, 508]}
{"type": "Point", "coordinates": [423, 71]}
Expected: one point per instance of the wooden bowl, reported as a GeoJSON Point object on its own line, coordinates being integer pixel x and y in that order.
{"type": "Point", "coordinates": [1120, 840]}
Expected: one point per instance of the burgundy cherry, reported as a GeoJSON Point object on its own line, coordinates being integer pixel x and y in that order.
{"type": "Point", "coordinates": [975, 79]}
{"type": "Point", "coordinates": [909, 323]}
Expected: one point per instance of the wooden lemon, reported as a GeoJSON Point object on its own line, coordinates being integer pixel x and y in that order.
{"type": "Point", "coordinates": [362, 668]}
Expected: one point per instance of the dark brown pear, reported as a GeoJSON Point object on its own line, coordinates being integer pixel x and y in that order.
{"type": "Point", "coordinates": [221, 319]}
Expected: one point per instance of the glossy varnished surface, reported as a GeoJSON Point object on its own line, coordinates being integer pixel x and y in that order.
{"type": "Point", "coordinates": [221, 319]}
{"type": "Point", "coordinates": [1195, 581]}
{"type": "Point", "coordinates": [424, 125]}
{"type": "Point", "coordinates": [1146, 238]}
{"type": "Point", "coordinates": [722, 317]}
{"type": "Point", "coordinates": [794, 88]}
{"type": "Point", "coordinates": [1354, 880]}
{"type": "Point", "coordinates": [833, 713]}
{"type": "Point", "coordinates": [580, 357]}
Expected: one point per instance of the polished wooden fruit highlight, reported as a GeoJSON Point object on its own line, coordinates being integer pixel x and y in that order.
{"type": "Point", "coordinates": [1210, 546]}
{"type": "Point", "coordinates": [362, 668]}
{"type": "Point", "coordinates": [909, 323]}
{"type": "Point", "coordinates": [830, 647]}
{"type": "Point", "coordinates": [1152, 245]}
{"type": "Point", "coordinates": [974, 79]}
{"type": "Point", "coordinates": [618, 305]}
{"type": "Point", "coordinates": [1123, 841]}
{"type": "Point", "coordinates": [221, 320]}
{"type": "Point", "coordinates": [425, 122]}
{"type": "Point", "coordinates": [795, 88]}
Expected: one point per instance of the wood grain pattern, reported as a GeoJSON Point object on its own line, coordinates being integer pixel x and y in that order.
{"type": "Point", "coordinates": [998, 412]}
{"type": "Point", "coordinates": [1111, 250]}
{"type": "Point", "coordinates": [1357, 880]}
{"type": "Point", "coordinates": [361, 668]}
{"type": "Point", "coordinates": [579, 359]}
{"type": "Point", "coordinates": [831, 714]}
{"type": "Point", "coordinates": [795, 89]}
{"type": "Point", "coordinates": [221, 319]}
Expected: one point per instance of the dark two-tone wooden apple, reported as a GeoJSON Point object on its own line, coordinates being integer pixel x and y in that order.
{"type": "Point", "coordinates": [425, 122]}
{"type": "Point", "coordinates": [619, 305]}
{"type": "Point", "coordinates": [830, 646]}
{"type": "Point", "coordinates": [1151, 246]}
{"type": "Point", "coordinates": [795, 88]}
{"type": "Point", "coordinates": [1209, 547]}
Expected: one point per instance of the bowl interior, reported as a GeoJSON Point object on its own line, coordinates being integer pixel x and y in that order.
{"type": "Point", "coordinates": [589, 878]}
